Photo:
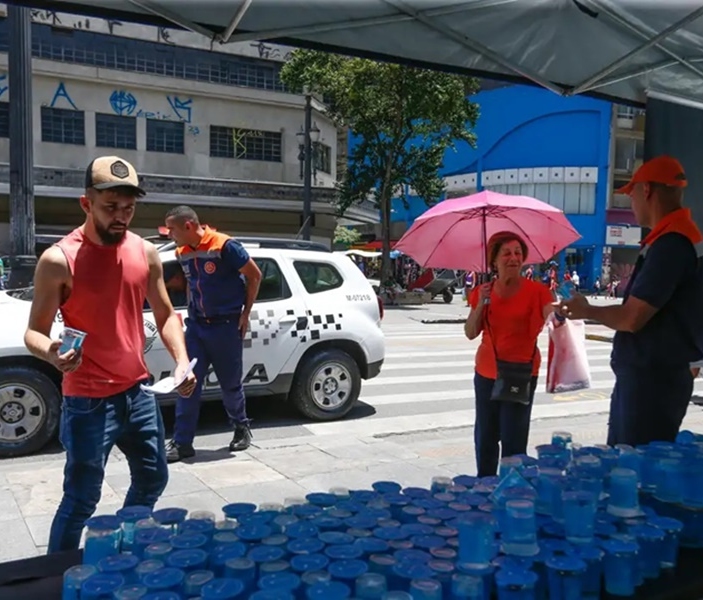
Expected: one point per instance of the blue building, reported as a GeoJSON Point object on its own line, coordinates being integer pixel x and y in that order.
{"type": "Point", "coordinates": [534, 143]}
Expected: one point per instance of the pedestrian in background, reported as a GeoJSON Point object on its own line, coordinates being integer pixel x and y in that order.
{"type": "Point", "coordinates": [223, 282]}
{"type": "Point", "coordinates": [510, 313]}
{"type": "Point", "coordinates": [99, 276]}
{"type": "Point", "coordinates": [659, 325]}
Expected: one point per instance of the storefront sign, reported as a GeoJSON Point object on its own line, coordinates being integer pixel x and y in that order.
{"type": "Point", "coordinates": [621, 235]}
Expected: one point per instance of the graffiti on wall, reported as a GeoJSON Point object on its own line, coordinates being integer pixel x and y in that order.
{"type": "Point", "coordinates": [3, 84]}
{"type": "Point", "coordinates": [125, 104]}
{"type": "Point", "coordinates": [62, 93]}
{"type": "Point", "coordinates": [270, 52]}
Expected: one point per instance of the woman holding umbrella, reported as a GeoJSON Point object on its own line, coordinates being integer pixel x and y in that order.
{"type": "Point", "coordinates": [510, 312]}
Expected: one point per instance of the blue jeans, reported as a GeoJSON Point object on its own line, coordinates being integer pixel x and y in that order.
{"type": "Point", "coordinates": [648, 405]}
{"type": "Point", "coordinates": [220, 345]}
{"type": "Point", "coordinates": [504, 423]}
{"type": "Point", "coordinates": [89, 428]}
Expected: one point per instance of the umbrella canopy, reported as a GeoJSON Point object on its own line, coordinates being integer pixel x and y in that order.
{"type": "Point", "coordinates": [453, 234]}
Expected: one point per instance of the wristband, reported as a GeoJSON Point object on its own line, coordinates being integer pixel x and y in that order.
{"type": "Point", "coordinates": [559, 317]}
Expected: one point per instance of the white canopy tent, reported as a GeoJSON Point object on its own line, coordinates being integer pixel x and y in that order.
{"type": "Point", "coordinates": [624, 50]}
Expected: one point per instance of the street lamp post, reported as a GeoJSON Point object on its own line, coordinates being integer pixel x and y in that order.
{"type": "Point", "coordinates": [308, 138]}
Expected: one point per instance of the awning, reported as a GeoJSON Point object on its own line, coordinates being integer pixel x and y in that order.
{"type": "Point", "coordinates": [619, 49]}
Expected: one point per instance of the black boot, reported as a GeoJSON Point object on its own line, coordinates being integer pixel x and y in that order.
{"type": "Point", "coordinates": [242, 438]}
{"type": "Point", "coordinates": [177, 452]}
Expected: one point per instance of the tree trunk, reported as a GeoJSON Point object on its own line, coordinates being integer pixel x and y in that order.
{"type": "Point", "coordinates": [385, 233]}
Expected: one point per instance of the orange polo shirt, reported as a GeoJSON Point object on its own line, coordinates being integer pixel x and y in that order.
{"type": "Point", "coordinates": [515, 323]}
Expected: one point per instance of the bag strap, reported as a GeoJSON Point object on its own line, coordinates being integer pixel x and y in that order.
{"type": "Point", "coordinates": [490, 332]}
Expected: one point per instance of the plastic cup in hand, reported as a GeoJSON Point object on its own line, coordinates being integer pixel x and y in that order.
{"type": "Point", "coordinates": [71, 339]}
{"type": "Point", "coordinates": [476, 538]}
{"type": "Point", "coordinates": [516, 584]}
{"type": "Point", "coordinates": [425, 589]}
{"type": "Point", "coordinates": [579, 516]}
{"type": "Point", "coordinates": [73, 578]}
{"type": "Point", "coordinates": [620, 567]}
{"type": "Point", "coordinates": [624, 499]}
{"type": "Point", "coordinates": [520, 531]}
{"type": "Point", "coordinates": [565, 576]}
{"type": "Point", "coordinates": [670, 546]}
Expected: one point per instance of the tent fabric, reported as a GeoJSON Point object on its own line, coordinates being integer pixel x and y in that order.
{"type": "Point", "coordinates": [619, 49]}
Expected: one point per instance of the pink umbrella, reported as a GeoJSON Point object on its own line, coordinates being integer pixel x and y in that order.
{"type": "Point", "coordinates": [453, 234]}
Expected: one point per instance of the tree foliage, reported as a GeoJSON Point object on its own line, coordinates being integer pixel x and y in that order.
{"type": "Point", "coordinates": [405, 120]}
{"type": "Point", "coordinates": [346, 236]}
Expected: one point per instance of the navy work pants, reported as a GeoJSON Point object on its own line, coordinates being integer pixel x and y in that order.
{"type": "Point", "coordinates": [504, 423]}
{"type": "Point", "coordinates": [219, 345]}
{"type": "Point", "coordinates": [648, 405]}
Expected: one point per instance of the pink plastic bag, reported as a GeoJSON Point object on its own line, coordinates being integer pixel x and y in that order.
{"type": "Point", "coordinates": [567, 368]}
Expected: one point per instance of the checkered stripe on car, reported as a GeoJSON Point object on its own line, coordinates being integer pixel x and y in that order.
{"type": "Point", "coordinates": [263, 327]}
{"type": "Point", "coordinates": [312, 325]}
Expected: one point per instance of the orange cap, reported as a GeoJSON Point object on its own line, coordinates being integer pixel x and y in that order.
{"type": "Point", "coordinates": [661, 169]}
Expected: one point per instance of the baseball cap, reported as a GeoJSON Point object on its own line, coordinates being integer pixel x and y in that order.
{"type": "Point", "coordinates": [661, 169]}
{"type": "Point", "coordinates": [108, 172]}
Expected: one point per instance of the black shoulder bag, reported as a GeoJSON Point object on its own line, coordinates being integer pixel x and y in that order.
{"type": "Point", "coordinates": [514, 379]}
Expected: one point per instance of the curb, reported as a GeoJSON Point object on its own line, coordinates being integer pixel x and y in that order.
{"type": "Point", "coordinates": [442, 321]}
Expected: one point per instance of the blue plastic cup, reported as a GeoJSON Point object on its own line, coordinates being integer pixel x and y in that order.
{"type": "Point", "coordinates": [579, 516]}
{"type": "Point", "coordinates": [466, 587]}
{"type": "Point", "coordinates": [159, 551]}
{"type": "Point", "coordinates": [222, 589]}
{"type": "Point", "coordinates": [624, 499]}
{"type": "Point", "coordinates": [285, 582]}
{"type": "Point", "coordinates": [220, 555]}
{"type": "Point", "coordinates": [327, 590]}
{"type": "Point", "coordinates": [73, 579]}
{"type": "Point", "coordinates": [547, 487]}
{"type": "Point", "coordinates": [102, 538]}
{"type": "Point", "coordinates": [170, 518]}
{"type": "Point", "coordinates": [146, 537]}
{"type": "Point", "coordinates": [235, 510]}
{"type": "Point", "coordinates": [188, 560]}
{"type": "Point", "coordinates": [271, 595]}
{"type": "Point", "coordinates": [425, 589]}
{"type": "Point", "coordinates": [131, 591]}
{"type": "Point", "coordinates": [147, 566]}
{"type": "Point", "coordinates": [507, 464]}
{"type": "Point", "coordinates": [167, 579]}
{"type": "Point", "coordinates": [130, 516]}
{"type": "Point", "coordinates": [565, 577]}
{"type": "Point", "coordinates": [692, 484]}
{"type": "Point", "coordinates": [397, 595]}
{"type": "Point", "coordinates": [670, 546]}
{"type": "Point", "coordinates": [651, 543]}
{"type": "Point", "coordinates": [310, 578]}
{"type": "Point", "coordinates": [124, 564]}
{"type": "Point", "coordinates": [195, 580]}
{"type": "Point", "coordinates": [101, 585]}
{"type": "Point", "coordinates": [371, 586]}
{"type": "Point", "coordinates": [520, 533]}
{"type": "Point", "coordinates": [620, 567]}
{"type": "Point", "coordinates": [593, 557]}
{"type": "Point", "coordinates": [476, 538]}
{"type": "Point", "coordinates": [515, 584]}
{"type": "Point", "coordinates": [563, 439]}
{"type": "Point", "coordinates": [669, 476]}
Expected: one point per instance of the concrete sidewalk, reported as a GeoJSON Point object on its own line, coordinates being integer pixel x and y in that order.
{"type": "Point", "coordinates": [268, 472]}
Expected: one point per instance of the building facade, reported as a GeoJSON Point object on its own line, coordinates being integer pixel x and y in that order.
{"type": "Point", "coordinates": [532, 142]}
{"type": "Point", "coordinates": [209, 127]}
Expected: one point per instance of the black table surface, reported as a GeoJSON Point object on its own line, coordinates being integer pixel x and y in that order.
{"type": "Point", "coordinates": [40, 578]}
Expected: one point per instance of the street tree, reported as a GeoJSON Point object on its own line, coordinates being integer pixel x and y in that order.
{"type": "Point", "coordinates": [345, 236]}
{"type": "Point", "coordinates": [404, 119]}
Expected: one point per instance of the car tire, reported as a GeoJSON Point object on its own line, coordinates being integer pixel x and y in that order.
{"type": "Point", "coordinates": [27, 395]}
{"type": "Point", "coordinates": [333, 368]}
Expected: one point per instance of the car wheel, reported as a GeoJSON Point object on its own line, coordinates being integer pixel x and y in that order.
{"type": "Point", "coordinates": [327, 385]}
{"type": "Point", "coordinates": [30, 404]}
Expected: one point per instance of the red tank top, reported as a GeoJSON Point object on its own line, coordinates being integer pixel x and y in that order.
{"type": "Point", "coordinates": [107, 302]}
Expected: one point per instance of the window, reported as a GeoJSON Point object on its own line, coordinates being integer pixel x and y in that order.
{"type": "Point", "coordinates": [114, 131]}
{"type": "Point", "coordinates": [141, 56]}
{"type": "Point", "coordinates": [176, 284]}
{"type": "Point", "coordinates": [245, 144]}
{"type": "Point", "coordinates": [627, 152]}
{"type": "Point", "coordinates": [4, 119]}
{"type": "Point", "coordinates": [62, 126]}
{"type": "Point", "coordinates": [318, 276]}
{"type": "Point", "coordinates": [273, 284]}
{"type": "Point", "coordinates": [323, 158]}
{"type": "Point", "coordinates": [572, 198]}
{"type": "Point", "coordinates": [165, 136]}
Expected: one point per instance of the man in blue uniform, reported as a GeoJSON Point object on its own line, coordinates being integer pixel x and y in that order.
{"type": "Point", "coordinates": [659, 325]}
{"type": "Point", "coordinates": [223, 282]}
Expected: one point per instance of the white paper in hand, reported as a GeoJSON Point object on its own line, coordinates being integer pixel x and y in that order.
{"type": "Point", "coordinates": [169, 384]}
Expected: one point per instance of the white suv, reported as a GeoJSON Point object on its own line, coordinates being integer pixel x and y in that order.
{"type": "Point", "coordinates": [315, 333]}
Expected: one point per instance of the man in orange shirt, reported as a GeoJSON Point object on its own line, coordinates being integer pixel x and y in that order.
{"type": "Point", "coordinates": [659, 325]}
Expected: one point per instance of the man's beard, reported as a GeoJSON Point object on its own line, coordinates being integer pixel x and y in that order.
{"type": "Point", "coordinates": [109, 238]}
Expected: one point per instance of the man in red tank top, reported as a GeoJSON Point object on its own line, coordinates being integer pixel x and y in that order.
{"type": "Point", "coordinates": [98, 276]}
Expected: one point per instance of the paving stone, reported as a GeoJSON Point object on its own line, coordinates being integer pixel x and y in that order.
{"type": "Point", "coordinates": [237, 471]}
{"type": "Point", "coordinates": [17, 541]}
{"type": "Point", "coordinates": [267, 491]}
{"type": "Point", "coordinates": [205, 500]}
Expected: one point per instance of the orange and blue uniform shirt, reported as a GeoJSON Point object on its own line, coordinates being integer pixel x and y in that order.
{"type": "Point", "coordinates": [217, 289]}
{"type": "Point", "coordinates": [668, 275]}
